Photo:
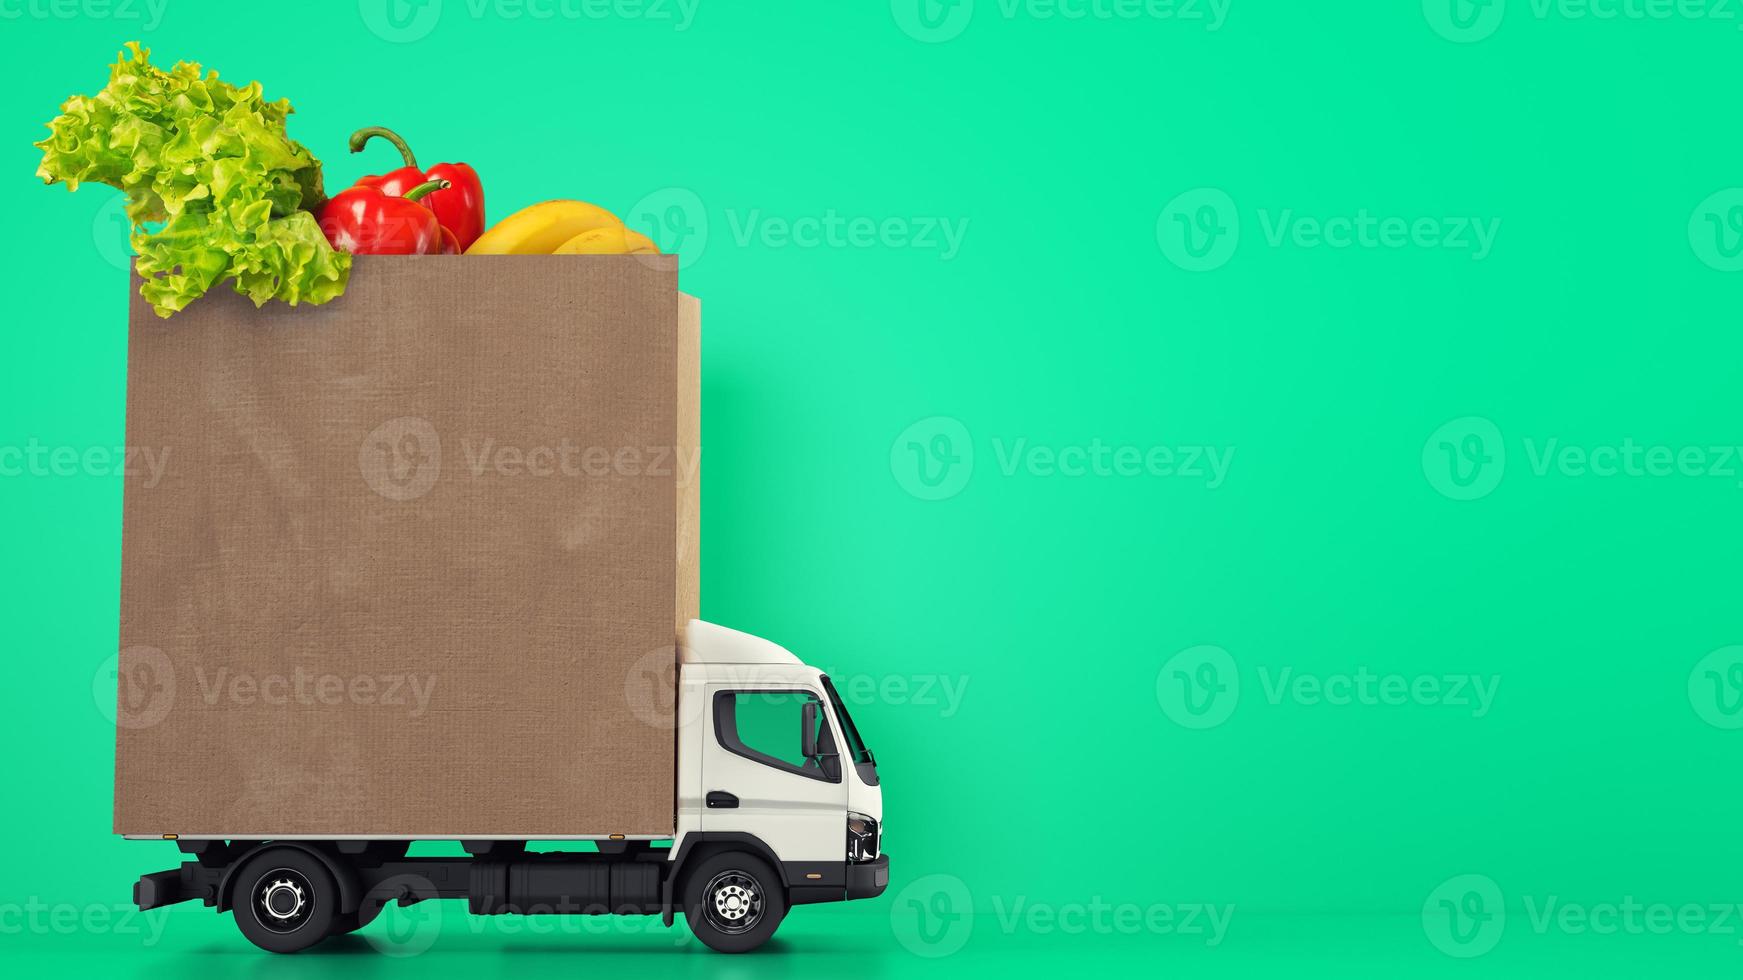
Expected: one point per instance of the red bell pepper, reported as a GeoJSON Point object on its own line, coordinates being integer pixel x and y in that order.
{"type": "Point", "coordinates": [459, 208]}
{"type": "Point", "coordinates": [364, 220]}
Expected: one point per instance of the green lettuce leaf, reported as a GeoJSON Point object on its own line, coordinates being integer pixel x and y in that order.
{"type": "Point", "coordinates": [210, 164]}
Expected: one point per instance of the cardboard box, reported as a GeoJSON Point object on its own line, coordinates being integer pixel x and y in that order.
{"type": "Point", "coordinates": [414, 561]}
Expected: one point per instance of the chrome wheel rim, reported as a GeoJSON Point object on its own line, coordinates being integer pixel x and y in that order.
{"type": "Point", "coordinates": [733, 902]}
{"type": "Point", "coordinates": [284, 900]}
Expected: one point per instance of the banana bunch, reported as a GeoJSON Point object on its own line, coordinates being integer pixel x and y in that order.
{"type": "Point", "coordinates": [562, 228]}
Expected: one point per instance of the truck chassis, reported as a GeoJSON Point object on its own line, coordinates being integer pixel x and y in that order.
{"type": "Point", "coordinates": [289, 895]}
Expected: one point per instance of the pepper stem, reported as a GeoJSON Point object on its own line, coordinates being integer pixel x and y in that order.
{"type": "Point", "coordinates": [425, 188]}
{"type": "Point", "coordinates": [364, 135]}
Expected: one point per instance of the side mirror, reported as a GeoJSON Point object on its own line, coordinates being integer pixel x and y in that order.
{"type": "Point", "coordinates": [808, 734]}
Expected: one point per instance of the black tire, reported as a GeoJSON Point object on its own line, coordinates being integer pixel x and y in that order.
{"type": "Point", "coordinates": [344, 924]}
{"type": "Point", "coordinates": [733, 902]}
{"type": "Point", "coordinates": [284, 900]}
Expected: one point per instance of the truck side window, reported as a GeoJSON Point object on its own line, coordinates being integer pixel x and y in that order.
{"type": "Point", "coordinates": [766, 726]}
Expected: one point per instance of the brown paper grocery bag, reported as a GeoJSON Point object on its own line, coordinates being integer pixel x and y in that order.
{"type": "Point", "coordinates": [414, 559]}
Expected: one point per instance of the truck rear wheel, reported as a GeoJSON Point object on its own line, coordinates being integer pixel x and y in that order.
{"type": "Point", "coordinates": [733, 902]}
{"type": "Point", "coordinates": [284, 900]}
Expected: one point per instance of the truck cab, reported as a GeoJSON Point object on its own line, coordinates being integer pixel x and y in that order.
{"type": "Point", "coordinates": [769, 759]}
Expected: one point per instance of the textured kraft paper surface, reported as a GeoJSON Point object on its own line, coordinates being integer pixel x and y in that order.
{"type": "Point", "coordinates": [414, 563]}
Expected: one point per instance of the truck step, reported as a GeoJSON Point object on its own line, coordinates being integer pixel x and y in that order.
{"type": "Point", "coordinates": [160, 888]}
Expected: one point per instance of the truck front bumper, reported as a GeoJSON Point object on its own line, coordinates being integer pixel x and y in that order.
{"type": "Point", "coordinates": [868, 880]}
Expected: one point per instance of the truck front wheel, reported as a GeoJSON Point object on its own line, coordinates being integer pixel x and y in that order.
{"type": "Point", "coordinates": [733, 902]}
{"type": "Point", "coordinates": [284, 900]}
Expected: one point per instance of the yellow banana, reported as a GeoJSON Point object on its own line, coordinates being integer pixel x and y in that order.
{"type": "Point", "coordinates": [539, 229]}
{"type": "Point", "coordinates": [609, 241]}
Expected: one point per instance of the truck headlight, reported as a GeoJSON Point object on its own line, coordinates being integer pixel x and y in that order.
{"type": "Point", "coordinates": [864, 838]}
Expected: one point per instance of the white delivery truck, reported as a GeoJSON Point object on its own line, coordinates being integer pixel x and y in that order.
{"type": "Point", "coordinates": [778, 804]}
{"type": "Point", "coordinates": [478, 481]}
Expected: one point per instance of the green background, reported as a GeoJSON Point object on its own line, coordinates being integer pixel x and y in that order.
{"type": "Point", "coordinates": [1066, 770]}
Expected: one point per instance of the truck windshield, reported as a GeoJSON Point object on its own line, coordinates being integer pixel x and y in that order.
{"type": "Point", "coordinates": [855, 745]}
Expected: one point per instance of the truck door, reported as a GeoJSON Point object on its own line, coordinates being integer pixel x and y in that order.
{"type": "Point", "coordinates": [757, 779]}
